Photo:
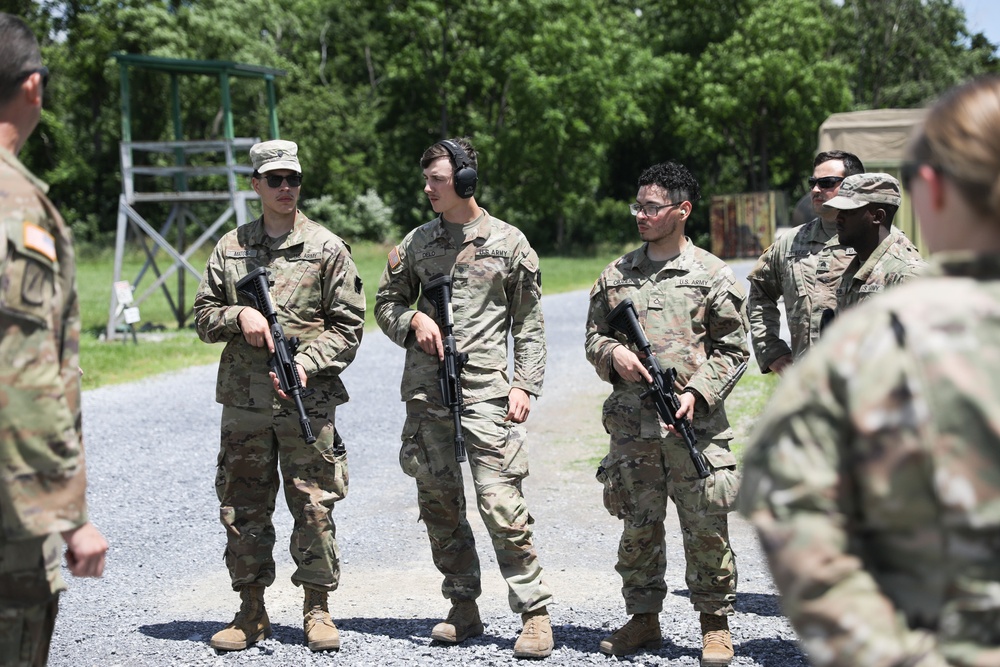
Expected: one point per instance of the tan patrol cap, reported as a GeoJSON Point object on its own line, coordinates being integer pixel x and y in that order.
{"type": "Point", "coordinates": [863, 189]}
{"type": "Point", "coordinates": [276, 154]}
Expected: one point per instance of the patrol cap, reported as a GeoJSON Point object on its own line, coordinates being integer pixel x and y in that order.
{"type": "Point", "coordinates": [276, 154]}
{"type": "Point", "coordinates": [862, 189]}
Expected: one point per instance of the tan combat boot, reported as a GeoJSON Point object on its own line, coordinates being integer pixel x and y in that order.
{"type": "Point", "coordinates": [321, 633]}
{"type": "Point", "coordinates": [462, 622]}
{"type": "Point", "coordinates": [250, 625]}
{"type": "Point", "coordinates": [716, 642]}
{"type": "Point", "coordinates": [641, 632]}
{"type": "Point", "coordinates": [536, 636]}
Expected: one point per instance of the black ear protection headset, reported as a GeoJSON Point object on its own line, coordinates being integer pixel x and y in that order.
{"type": "Point", "coordinates": [465, 177]}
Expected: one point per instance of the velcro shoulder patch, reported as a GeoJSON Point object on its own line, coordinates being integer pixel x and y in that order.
{"type": "Point", "coordinates": [394, 258]}
{"type": "Point", "coordinates": [39, 240]}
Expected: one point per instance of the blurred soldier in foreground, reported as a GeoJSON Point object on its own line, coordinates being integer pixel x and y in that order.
{"type": "Point", "coordinates": [42, 477]}
{"type": "Point", "coordinates": [865, 207]}
{"type": "Point", "coordinates": [874, 475]}
{"type": "Point", "coordinates": [804, 267]}
{"type": "Point", "coordinates": [693, 313]}
{"type": "Point", "coordinates": [318, 298]}
{"type": "Point", "coordinates": [497, 290]}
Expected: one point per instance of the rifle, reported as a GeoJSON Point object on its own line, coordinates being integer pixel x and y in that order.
{"type": "Point", "coordinates": [254, 286]}
{"type": "Point", "coordinates": [438, 291]}
{"type": "Point", "coordinates": [625, 320]}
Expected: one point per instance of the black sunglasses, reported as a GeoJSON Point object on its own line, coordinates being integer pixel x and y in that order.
{"type": "Point", "coordinates": [44, 71]}
{"type": "Point", "coordinates": [274, 180]}
{"type": "Point", "coordinates": [824, 182]}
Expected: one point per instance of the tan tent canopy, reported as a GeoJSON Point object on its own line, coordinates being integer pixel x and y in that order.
{"type": "Point", "coordinates": [879, 137]}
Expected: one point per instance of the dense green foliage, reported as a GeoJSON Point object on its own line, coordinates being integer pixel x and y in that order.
{"type": "Point", "coordinates": [567, 100]}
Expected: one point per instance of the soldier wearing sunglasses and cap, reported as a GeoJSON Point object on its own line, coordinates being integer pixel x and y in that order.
{"type": "Point", "coordinates": [865, 208]}
{"type": "Point", "coordinates": [318, 297]}
{"type": "Point", "coordinates": [803, 267]}
{"type": "Point", "coordinates": [43, 483]}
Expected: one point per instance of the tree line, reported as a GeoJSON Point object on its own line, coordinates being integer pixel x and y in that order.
{"type": "Point", "coordinates": [566, 100]}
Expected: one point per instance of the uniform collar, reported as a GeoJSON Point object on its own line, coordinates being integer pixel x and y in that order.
{"type": "Point", "coordinates": [965, 265]}
{"type": "Point", "coordinates": [11, 160]}
{"type": "Point", "coordinates": [682, 262]}
{"type": "Point", "coordinates": [480, 233]}
{"type": "Point", "coordinates": [294, 237]}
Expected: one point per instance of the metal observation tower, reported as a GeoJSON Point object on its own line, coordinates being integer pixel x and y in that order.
{"type": "Point", "coordinates": [181, 164]}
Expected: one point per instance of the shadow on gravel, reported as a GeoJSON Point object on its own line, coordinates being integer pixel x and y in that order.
{"type": "Point", "coordinates": [775, 652]}
{"type": "Point", "coordinates": [183, 630]}
{"type": "Point", "coordinates": [762, 604]}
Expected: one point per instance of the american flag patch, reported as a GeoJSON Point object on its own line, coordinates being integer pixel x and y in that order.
{"type": "Point", "coordinates": [39, 240]}
{"type": "Point", "coordinates": [394, 259]}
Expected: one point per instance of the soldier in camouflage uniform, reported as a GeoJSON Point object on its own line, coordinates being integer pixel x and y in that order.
{"type": "Point", "coordinates": [865, 206]}
{"type": "Point", "coordinates": [318, 296]}
{"type": "Point", "coordinates": [874, 474]}
{"type": "Point", "coordinates": [693, 312]}
{"type": "Point", "coordinates": [497, 290]}
{"type": "Point", "coordinates": [804, 268]}
{"type": "Point", "coordinates": [42, 475]}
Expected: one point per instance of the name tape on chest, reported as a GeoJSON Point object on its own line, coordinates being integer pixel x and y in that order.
{"type": "Point", "coordinates": [484, 253]}
{"type": "Point", "coordinates": [240, 254]}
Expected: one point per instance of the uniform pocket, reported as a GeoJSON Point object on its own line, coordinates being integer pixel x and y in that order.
{"type": "Point", "coordinates": [515, 460]}
{"type": "Point", "coordinates": [29, 277]}
{"type": "Point", "coordinates": [412, 457]}
{"type": "Point", "coordinates": [616, 498]}
{"type": "Point", "coordinates": [340, 480]}
{"type": "Point", "coordinates": [723, 485]}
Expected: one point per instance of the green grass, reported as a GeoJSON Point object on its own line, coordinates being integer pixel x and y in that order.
{"type": "Point", "coordinates": [172, 348]}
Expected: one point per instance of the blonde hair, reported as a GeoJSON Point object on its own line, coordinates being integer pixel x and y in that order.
{"type": "Point", "coordinates": [961, 139]}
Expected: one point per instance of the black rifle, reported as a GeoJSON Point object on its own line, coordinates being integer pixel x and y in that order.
{"type": "Point", "coordinates": [625, 320]}
{"type": "Point", "coordinates": [438, 291]}
{"type": "Point", "coordinates": [255, 286]}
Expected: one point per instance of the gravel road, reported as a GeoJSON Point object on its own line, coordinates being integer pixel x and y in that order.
{"type": "Point", "coordinates": [151, 458]}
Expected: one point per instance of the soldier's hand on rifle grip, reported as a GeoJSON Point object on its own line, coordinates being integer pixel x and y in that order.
{"type": "Point", "coordinates": [687, 401]}
{"type": "Point", "coordinates": [277, 383]}
{"type": "Point", "coordinates": [628, 365]}
{"type": "Point", "coordinates": [255, 328]}
{"type": "Point", "coordinates": [428, 334]}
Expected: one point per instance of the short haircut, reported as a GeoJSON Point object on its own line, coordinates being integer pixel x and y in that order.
{"type": "Point", "coordinates": [852, 163]}
{"type": "Point", "coordinates": [19, 54]}
{"type": "Point", "coordinates": [439, 151]}
{"type": "Point", "coordinates": [675, 179]}
{"type": "Point", "coordinates": [890, 213]}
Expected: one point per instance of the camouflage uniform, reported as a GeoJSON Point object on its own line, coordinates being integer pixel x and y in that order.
{"type": "Point", "coordinates": [894, 261]}
{"type": "Point", "coordinates": [318, 296]}
{"type": "Point", "coordinates": [693, 313]}
{"type": "Point", "coordinates": [874, 477]}
{"type": "Point", "coordinates": [43, 483]}
{"type": "Point", "coordinates": [496, 288]}
{"type": "Point", "coordinates": [804, 267]}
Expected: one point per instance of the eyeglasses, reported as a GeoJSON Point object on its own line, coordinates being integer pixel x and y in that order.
{"type": "Point", "coordinates": [44, 71]}
{"type": "Point", "coordinates": [274, 180]}
{"type": "Point", "coordinates": [824, 182]}
{"type": "Point", "coordinates": [649, 210]}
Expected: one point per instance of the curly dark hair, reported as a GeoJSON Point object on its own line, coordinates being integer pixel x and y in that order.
{"type": "Point", "coordinates": [675, 179]}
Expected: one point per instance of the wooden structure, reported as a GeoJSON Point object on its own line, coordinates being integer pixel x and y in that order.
{"type": "Point", "coordinates": [181, 161]}
{"type": "Point", "coordinates": [742, 225]}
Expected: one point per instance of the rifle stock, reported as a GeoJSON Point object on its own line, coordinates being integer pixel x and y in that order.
{"type": "Point", "coordinates": [255, 287]}
{"type": "Point", "coordinates": [624, 319]}
{"type": "Point", "coordinates": [438, 291]}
